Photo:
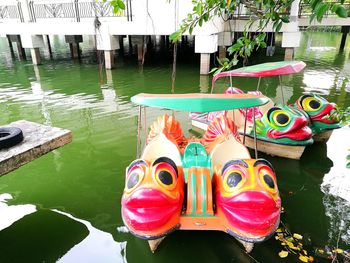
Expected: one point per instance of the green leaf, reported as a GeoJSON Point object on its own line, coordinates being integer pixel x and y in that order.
{"type": "Point", "coordinates": [174, 37]}
{"type": "Point", "coordinates": [340, 11]}
{"type": "Point", "coordinates": [279, 25]}
{"type": "Point", "coordinates": [121, 4]}
{"type": "Point", "coordinates": [320, 10]}
{"type": "Point", "coordinates": [285, 19]}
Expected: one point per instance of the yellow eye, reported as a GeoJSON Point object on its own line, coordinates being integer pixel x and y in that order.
{"type": "Point", "coordinates": [311, 104]}
{"type": "Point", "coordinates": [267, 180]}
{"type": "Point", "coordinates": [233, 180]}
{"type": "Point", "coordinates": [165, 175]}
{"type": "Point", "coordinates": [281, 118]}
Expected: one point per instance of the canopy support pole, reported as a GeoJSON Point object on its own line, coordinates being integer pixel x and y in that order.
{"type": "Point", "coordinates": [138, 133]}
{"type": "Point", "coordinates": [245, 125]}
{"type": "Point", "coordinates": [257, 88]}
{"type": "Point", "coordinates": [255, 142]}
{"type": "Point", "coordinates": [280, 80]}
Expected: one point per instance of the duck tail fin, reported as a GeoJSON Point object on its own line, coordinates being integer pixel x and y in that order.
{"type": "Point", "coordinates": [168, 126]}
{"type": "Point", "coordinates": [219, 130]}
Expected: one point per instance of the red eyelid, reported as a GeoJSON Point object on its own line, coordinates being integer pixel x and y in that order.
{"type": "Point", "coordinates": [270, 171]}
{"type": "Point", "coordinates": [165, 166]}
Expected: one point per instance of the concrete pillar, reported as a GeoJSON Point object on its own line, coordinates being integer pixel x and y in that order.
{"type": "Point", "coordinates": [20, 50]}
{"type": "Point", "coordinates": [345, 31]}
{"type": "Point", "coordinates": [121, 44]}
{"type": "Point", "coordinates": [205, 45]}
{"type": "Point", "coordinates": [205, 64]}
{"type": "Point", "coordinates": [109, 59]}
{"type": "Point", "coordinates": [74, 50]}
{"type": "Point", "coordinates": [290, 40]}
{"type": "Point", "coordinates": [108, 44]}
{"type": "Point", "coordinates": [289, 53]}
{"type": "Point", "coordinates": [204, 83]}
{"type": "Point", "coordinates": [10, 45]}
{"type": "Point", "coordinates": [73, 41]}
{"type": "Point", "coordinates": [35, 56]}
{"type": "Point", "coordinates": [34, 42]}
{"type": "Point", "coordinates": [222, 53]}
{"type": "Point", "coordinates": [139, 52]}
{"type": "Point", "coordinates": [49, 45]}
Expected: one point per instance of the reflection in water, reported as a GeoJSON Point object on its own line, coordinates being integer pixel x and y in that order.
{"type": "Point", "coordinates": [319, 83]}
{"type": "Point", "coordinates": [336, 187]}
{"type": "Point", "coordinates": [10, 214]}
{"type": "Point", "coordinates": [97, 246]}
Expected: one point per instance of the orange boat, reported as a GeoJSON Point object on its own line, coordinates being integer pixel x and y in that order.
{"type": "Point", "coordinates": [211, 183]}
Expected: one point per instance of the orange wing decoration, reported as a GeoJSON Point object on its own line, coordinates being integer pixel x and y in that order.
{"type": "Point", "coordinates": [218, 131]}
{"type": "Point", "coordinates": [170, 127]}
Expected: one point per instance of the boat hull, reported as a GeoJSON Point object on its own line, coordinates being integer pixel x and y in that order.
{"type": "Point", "coordinates": [271, 148]}
{"type": "Point", "coordinates": [323, 136]}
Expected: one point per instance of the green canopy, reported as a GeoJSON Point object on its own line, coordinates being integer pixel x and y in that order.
{"type": "Point", "coordinates": [198, 102]}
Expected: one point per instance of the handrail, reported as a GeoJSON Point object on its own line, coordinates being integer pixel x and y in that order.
{"type": "Point", "coordinates": [75, 9]}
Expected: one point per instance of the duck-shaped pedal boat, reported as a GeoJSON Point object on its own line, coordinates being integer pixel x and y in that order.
{"type": "Point", "coordinates": [210, 183]}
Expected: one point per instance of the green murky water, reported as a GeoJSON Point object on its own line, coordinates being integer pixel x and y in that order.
{"type": "Point", "coordinates": [65, 206]}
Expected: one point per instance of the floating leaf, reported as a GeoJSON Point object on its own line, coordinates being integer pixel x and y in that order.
{"type": "Point", "coordinates": [297, 236]}
{"type": "Point", "coordinates": [303, 258]}
{"type": "Point", "coordinates": [339, 251]}
{"type": "Point", "coordinates": [283, 254]}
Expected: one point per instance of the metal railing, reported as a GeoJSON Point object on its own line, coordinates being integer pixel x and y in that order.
{"type": "Point", "coordinates": [305, 10]}
{"type": "Point", "coordinates": [11, 12]}
{"type": "Point", "coordinates": [75, 10]}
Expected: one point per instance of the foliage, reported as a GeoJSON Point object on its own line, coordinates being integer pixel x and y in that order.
{"type": "Point", "coordinates": [118, 5]}
{"type": "Point", "coordinates": [260, 13]}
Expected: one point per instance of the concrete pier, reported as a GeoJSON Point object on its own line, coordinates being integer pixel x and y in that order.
{"type": "Point", "coordinates": [73, 41]}
{"type": "Point", "coordinates": [20, 50]}
{"type": "Point", "coordinates": [31, 20]}
{"type": "Point", "coordinates": [38, 140]}
{"type": "Point", "coordinates": [109, 59]}
{"type": "Point", "coordinates": [205, 45]}
{"type": "Point", "coordinates": [204, 64]}
{"type": "Point", "coordinates": [35, 56]}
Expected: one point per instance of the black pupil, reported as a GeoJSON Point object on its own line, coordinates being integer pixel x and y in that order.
{"type": "Point", "coordinates": [314, 104]}
{"type": "Point", "coordinates": [269, 181]}
{"type": "Point", "coordinates": [282, 118]}
{"type": "Point", "coordinates": [165, 177]}
{"type": "Point", "coordinates": [233, 179]}
{"type": "Point", "coordinates": [133, 180]}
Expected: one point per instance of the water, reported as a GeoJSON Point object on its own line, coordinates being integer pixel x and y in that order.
{"type": "Point", "coordinates": [65, 206]}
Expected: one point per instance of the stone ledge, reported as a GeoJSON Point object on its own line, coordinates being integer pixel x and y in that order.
{"type": "Point", "coordinates": [38, 140]}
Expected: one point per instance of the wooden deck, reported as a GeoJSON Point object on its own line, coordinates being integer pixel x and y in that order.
{"type": "Point", "coordinates": [38, 140]}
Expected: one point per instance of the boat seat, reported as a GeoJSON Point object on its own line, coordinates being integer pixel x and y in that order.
{"type": "Point", "coordinates": [228, 150]}
{"type": "Point", "coordinates": [199, 192]}
{"type": "Point", "coordinates": [161, 146]}
{"type": "Point", "coordinates": [197, 172]}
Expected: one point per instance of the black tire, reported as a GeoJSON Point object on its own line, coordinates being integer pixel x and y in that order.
{"type": "Point", "coordinates": [10, 136]}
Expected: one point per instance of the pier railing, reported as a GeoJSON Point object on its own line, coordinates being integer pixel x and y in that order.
{"type": "Point", "coordinates": [69, 10]}
{"type": "Point", "coordinates": [11, 11]}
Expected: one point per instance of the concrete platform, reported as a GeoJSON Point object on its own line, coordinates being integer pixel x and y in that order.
{"type": "Point", "coordinates": [38, 140]}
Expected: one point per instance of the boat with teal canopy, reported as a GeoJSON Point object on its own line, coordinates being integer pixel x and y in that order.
{"type": "Point", "coordinates": [269, 69]}
{"type": "Point", "coordinates": [188, 183]}
{"type": "Point", "coordinates": [198, 102]}
{"type": "Point", "coordinates": [281, 130]}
